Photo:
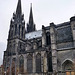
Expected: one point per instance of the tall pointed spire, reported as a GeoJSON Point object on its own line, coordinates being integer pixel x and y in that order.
{"type": "Point", "coordinates": [17, 24]}
{"type": "Point", "coordinates": [31, 15]}
{"type": "Point", "coordinates": [19, 10]}
{"type": "Point", "coordinates": [31, 25]}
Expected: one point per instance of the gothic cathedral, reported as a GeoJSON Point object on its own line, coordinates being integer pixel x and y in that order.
{"type": "Point", "coordinates": [49, 51]}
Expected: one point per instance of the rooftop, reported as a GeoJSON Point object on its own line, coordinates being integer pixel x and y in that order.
{"type": "Point", "coordinates": [34, 34]}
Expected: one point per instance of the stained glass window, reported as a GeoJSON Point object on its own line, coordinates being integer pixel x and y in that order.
{"type": "Point", "coordinates": [29, 63]}
{"type": "Point", "coordinates": [21, 64]}
{"type": "Point", "coordinates": [38, 63]}
{"type": "Point", "coordinates": [49, 60]}
{"type": "Point", "coordinates": [48, 41]}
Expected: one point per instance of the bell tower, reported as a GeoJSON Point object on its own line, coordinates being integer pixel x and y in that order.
{"type": "Point", "coordinates": [17, 24]}
{"type": "Point", "coordinates": [16, 35]}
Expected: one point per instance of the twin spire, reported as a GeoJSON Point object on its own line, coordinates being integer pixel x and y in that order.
{"type": "Point", "coordinates": [17, 26]}
{"type": "Point", "coordinates": [30, 25]}
{"type": "Point", "coordinates": [19, 10]}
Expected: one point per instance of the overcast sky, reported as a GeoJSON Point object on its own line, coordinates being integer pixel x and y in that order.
{"type": "Point", "coordinates": [44, 12]}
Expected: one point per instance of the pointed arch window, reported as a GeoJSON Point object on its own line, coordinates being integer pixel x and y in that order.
{"type": "Point", "coordinates": [13, 49]}
{"type": "Point", "coordinates": [49, 61]}
{"type": "Point", "coordinates": [67, 65]}
{"type": "Point", "coordinates": [21, 64]}
{"type": "Point", "coordinates": [48, 40]}
{"type": "Point", "coordinates": [15, 29]}
{"type": "Point", "coordinates": [29, 63]}
{"type": "Point", "coordinates": [22, 31]}
{"type": "Point", "coordinates": [38, 63]}
{"type": "Point", "coordinates": [19, 30]}
{"type": "Point", "coordinates": [11, 33]}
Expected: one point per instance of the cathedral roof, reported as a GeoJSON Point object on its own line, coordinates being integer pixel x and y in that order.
{"type": "Point", "coordinates": [63, 24]}
{"type": "Point", "coordinates": [34, 34]}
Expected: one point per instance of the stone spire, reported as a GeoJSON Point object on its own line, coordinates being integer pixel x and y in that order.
{"type": "Point", "coordinates": [17, 24]}
{"type": "Point", "coordinates": [31, 25]}
{"type": "Point", "coordinates": [19, 10]}
{"type": "Point", "coordinates": [31, 16]}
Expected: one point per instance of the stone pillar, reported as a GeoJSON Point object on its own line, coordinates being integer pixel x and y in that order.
{"type": "Point", "coordinates": [72, 22]}
{"type": "Point", "coordinates": [25, 63]}
{"type": "Point", "coordinates": [17, 58]}
{"type": "Point", "coordinates": [43, 36]}
{"type": "Point", "coordinates": [42, 62]}
{"type": "Point", "coordinates": [45, 63]}
{"type": "Point", "coordinates": [34, 64]}
{"type": "Point", "coordinates": [53, 47]}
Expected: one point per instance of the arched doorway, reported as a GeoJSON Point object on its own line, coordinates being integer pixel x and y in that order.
{"type": "Point", "coordinates": [68, 67]}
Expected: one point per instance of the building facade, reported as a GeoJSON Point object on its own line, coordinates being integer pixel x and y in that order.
{"type": "Point", "coordinates": [49, 51]}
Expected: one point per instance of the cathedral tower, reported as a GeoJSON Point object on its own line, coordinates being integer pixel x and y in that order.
{"type": "Point", "coordinates": [31, 25]}
{"type": "Point", "coordinates": [17, 25]}
{"type": "Point", "coordinates": [16, 35]}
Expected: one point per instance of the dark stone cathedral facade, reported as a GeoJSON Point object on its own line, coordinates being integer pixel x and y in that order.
{"type": "Point", "coordinates": [49, 51]}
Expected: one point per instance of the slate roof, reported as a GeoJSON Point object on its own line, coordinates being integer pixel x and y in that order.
{"type": "Point", "coordinates": [63, 33]}
{"type": "Point", "coordinates": [34, 34]}
{"type": "Point", "coordinates": [63, 24]}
